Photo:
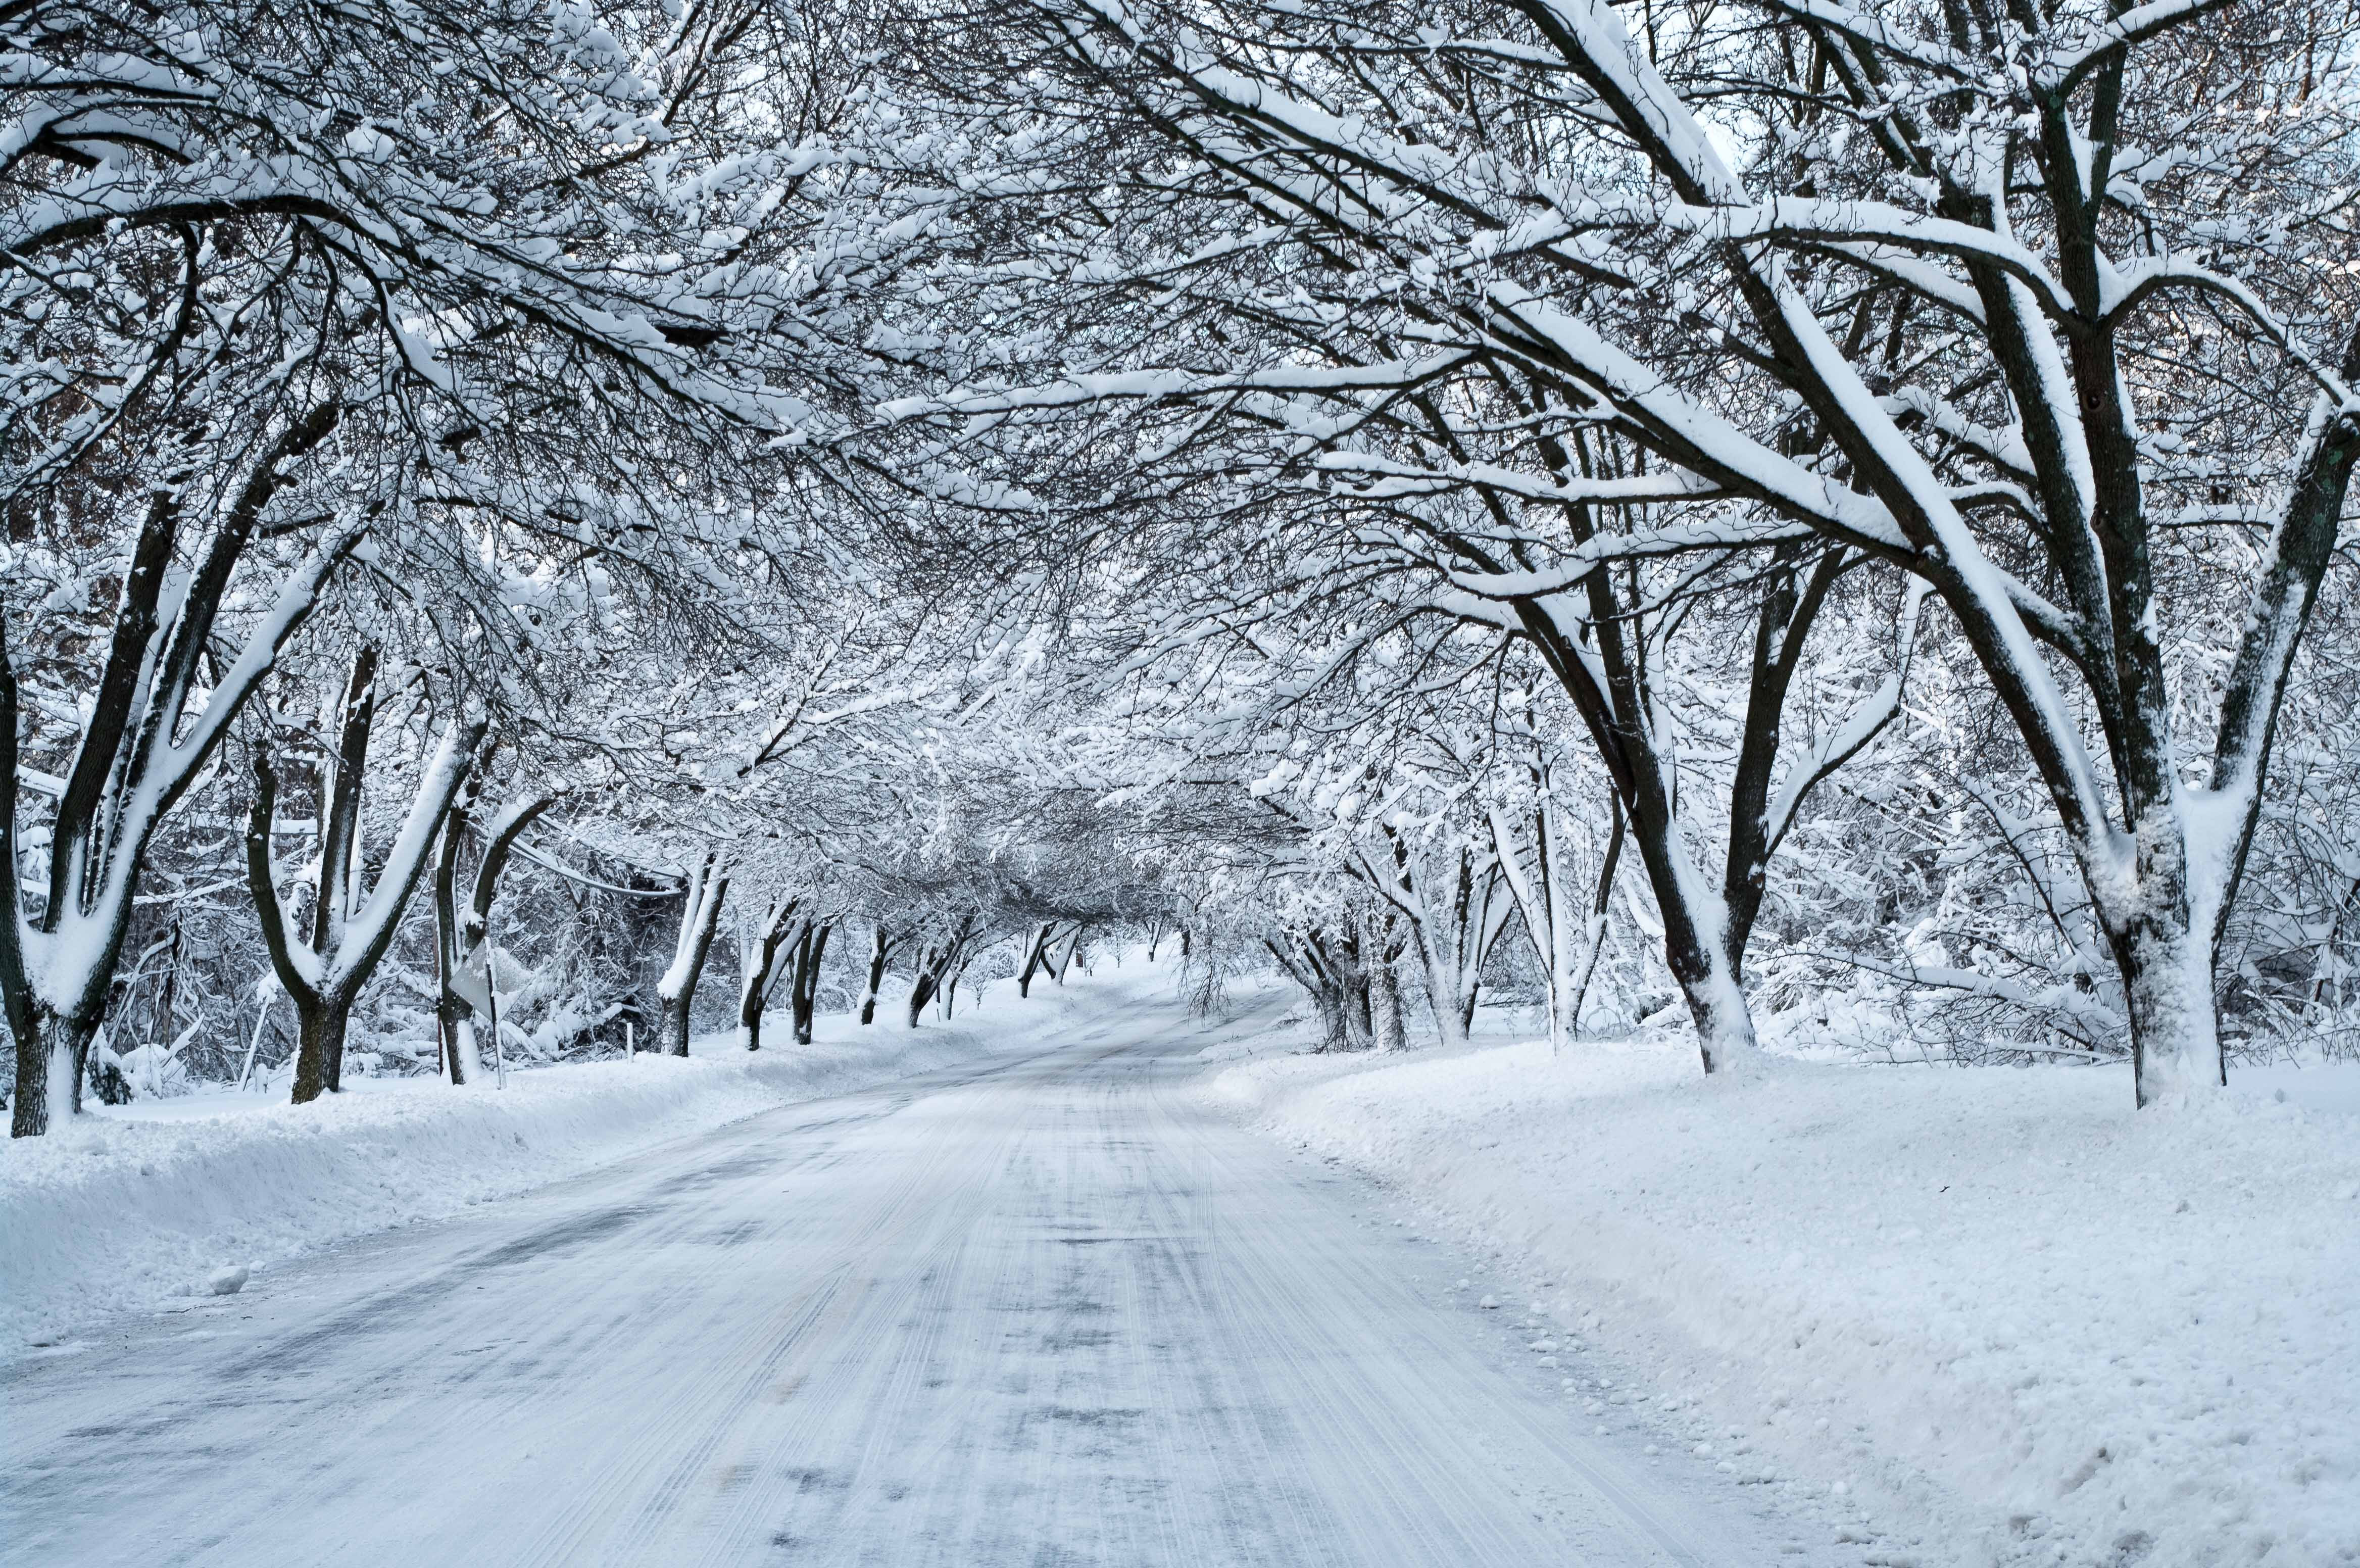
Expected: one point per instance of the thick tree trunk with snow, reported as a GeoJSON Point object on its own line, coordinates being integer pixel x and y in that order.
{"type": "Point", "coordinates": [673, 1022]}
{"type": "Point", "coordinates": [1062, 953]}
{"type": "Point", "coordinates": [811, 954]}
{"type": "Point", "coordinates": [2167, 991]}
{"type": "Point", "coordinates": [462, 940]}
{"type": "Point", "coordinates": [880, 947]}
{"type": "Point", "coordinates": [750, 999]}
{"type": "Point", "coordinates": [319, 1028]}
{"type": "Point", "coordinates": [700, 917]}
{"type": "Point", "coordinates": [938, 966]}
{"type": "Point", "coordinates": [50, 1074]}
{"type": "Point", "coordinates": [1036, 952]}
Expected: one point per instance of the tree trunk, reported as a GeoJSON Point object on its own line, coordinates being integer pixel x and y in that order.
{"type": "Point", "coordinates": [450, 1013]}
{"type": "Point", "coordinates": [673, 1025]}
{"type": "Point", "coordinates": [1036, 953]}
{"type": "Point", "coordinates": [2167, 989]}
{"type": "Point", "coordinates": [810, 953]}
{"type": "Point", "coordinates": [1594, 935]}
{"type": "Point", "coordinates": [1442, 993]}
{"type": "Point", "coordinates": [700, 917]}
{"type": "Point", "coordinates": [323, 1000]}
{"type": "Point", "coordinates": [154, 1058]}
{"type": "Point", "coordinates": [1694, 936]}
{"type": "Point", "coordinates": [1724, 1025]}
{"type": "Point", "coordinates": [1620, 717]}
{"type": "Point", "coordinates": [1072, 944]}
{"type": "Point", "coordinates": [1360, 1027]}
{"type": "Point", "coordinates": [877, 947]}
{"type": "Point", "coordinates": [921, 994]}
{"type": "Point", "coordinates": [1333, 1034]}
{"type": "Point", "coordinates": [749, 1016]}
{"type": "Point", "coordinates": [757, 963]}
{"type": "Point", "coordinates": [319, 1046]}
{"type": "Point", "coordinates": [48, 1077]}
{"type": "Point", "coordinates": [462, 943]}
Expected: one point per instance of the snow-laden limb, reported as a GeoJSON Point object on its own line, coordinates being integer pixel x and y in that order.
{"type": "Point", "coordinates": [1862, 726]}
{"type": "Point", "coordinates": [1389, 477]}
{"type": "Point", "coordinates": [2057, 72]}
{"type": "Point", "coordinates": [1869, 225]}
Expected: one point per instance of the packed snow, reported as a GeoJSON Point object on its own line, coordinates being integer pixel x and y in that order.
{"type": "Point", "coordinates": [1998, 1306]}
{"type": "Point", "coordinates": [1038, 1308]}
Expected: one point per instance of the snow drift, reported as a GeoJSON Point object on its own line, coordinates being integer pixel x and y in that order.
{"type": "Point", "coordinates": [2003, 1298]}
{"type": "Point", "coordinates": [131, 1208]}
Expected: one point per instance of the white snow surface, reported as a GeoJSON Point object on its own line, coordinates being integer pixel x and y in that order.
{"type": "Point", "coordinates": [1997, 1309]}
{"type": "Point", "coordinates": [1043, 1307]}
{"type": "Point", "coordinates": [131, 1206]}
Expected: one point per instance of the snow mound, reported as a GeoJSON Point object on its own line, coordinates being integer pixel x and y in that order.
{"type": "Point", "coordinates": [2002, 1298]}
{"type": "Point", "coordinates": [123, 1210]}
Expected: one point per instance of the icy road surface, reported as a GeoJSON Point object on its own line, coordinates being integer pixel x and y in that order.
{"type": "Point", "coordinates": [1047, 1311]}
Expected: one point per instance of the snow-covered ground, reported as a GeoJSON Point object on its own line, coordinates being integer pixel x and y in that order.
{"type": "Point", "coordinates": [132, 1206]}
{"type": "Point", "coordinates": [1987, 1316]}
{"type": "Point", "coordinates": [1037, 1308]}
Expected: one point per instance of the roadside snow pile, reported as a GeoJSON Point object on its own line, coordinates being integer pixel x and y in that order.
{"type": "Point", "coordinates": [2000, 1297]}
{"type": "Point", "coordinates": [163, 1197]}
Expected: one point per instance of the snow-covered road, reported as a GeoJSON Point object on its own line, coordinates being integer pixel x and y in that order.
{"type": "Point", "coordinates": [1044, 1310]}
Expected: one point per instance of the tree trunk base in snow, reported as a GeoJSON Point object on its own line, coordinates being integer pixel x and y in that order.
{"type": "Point", "coordinates": [319, 1052]}
{"type": "Point", "coordinates": [674, 1027]}
{"type": "Point", "coordinates": [49, 1075]}
{"type": "Point", "coordinates": [2174, 1030]}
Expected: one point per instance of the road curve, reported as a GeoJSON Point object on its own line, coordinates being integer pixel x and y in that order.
{"type": "Point", "coordinates": [1042, 1311]}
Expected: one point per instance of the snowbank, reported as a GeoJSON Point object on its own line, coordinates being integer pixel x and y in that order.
{"type": "Point", "coordinates": [131, 1206]}
{"type": "Point", "coordinates": [1996, 1299]}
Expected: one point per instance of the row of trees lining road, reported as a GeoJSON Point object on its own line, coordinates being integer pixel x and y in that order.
{"type": "Point", "coordinates": [2050, 313]}
{"type": "Point", "coordinates": [1829, 523]}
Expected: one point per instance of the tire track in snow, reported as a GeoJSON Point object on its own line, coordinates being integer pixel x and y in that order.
{"type": "Point", "coordinates": [1047, 1312]}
